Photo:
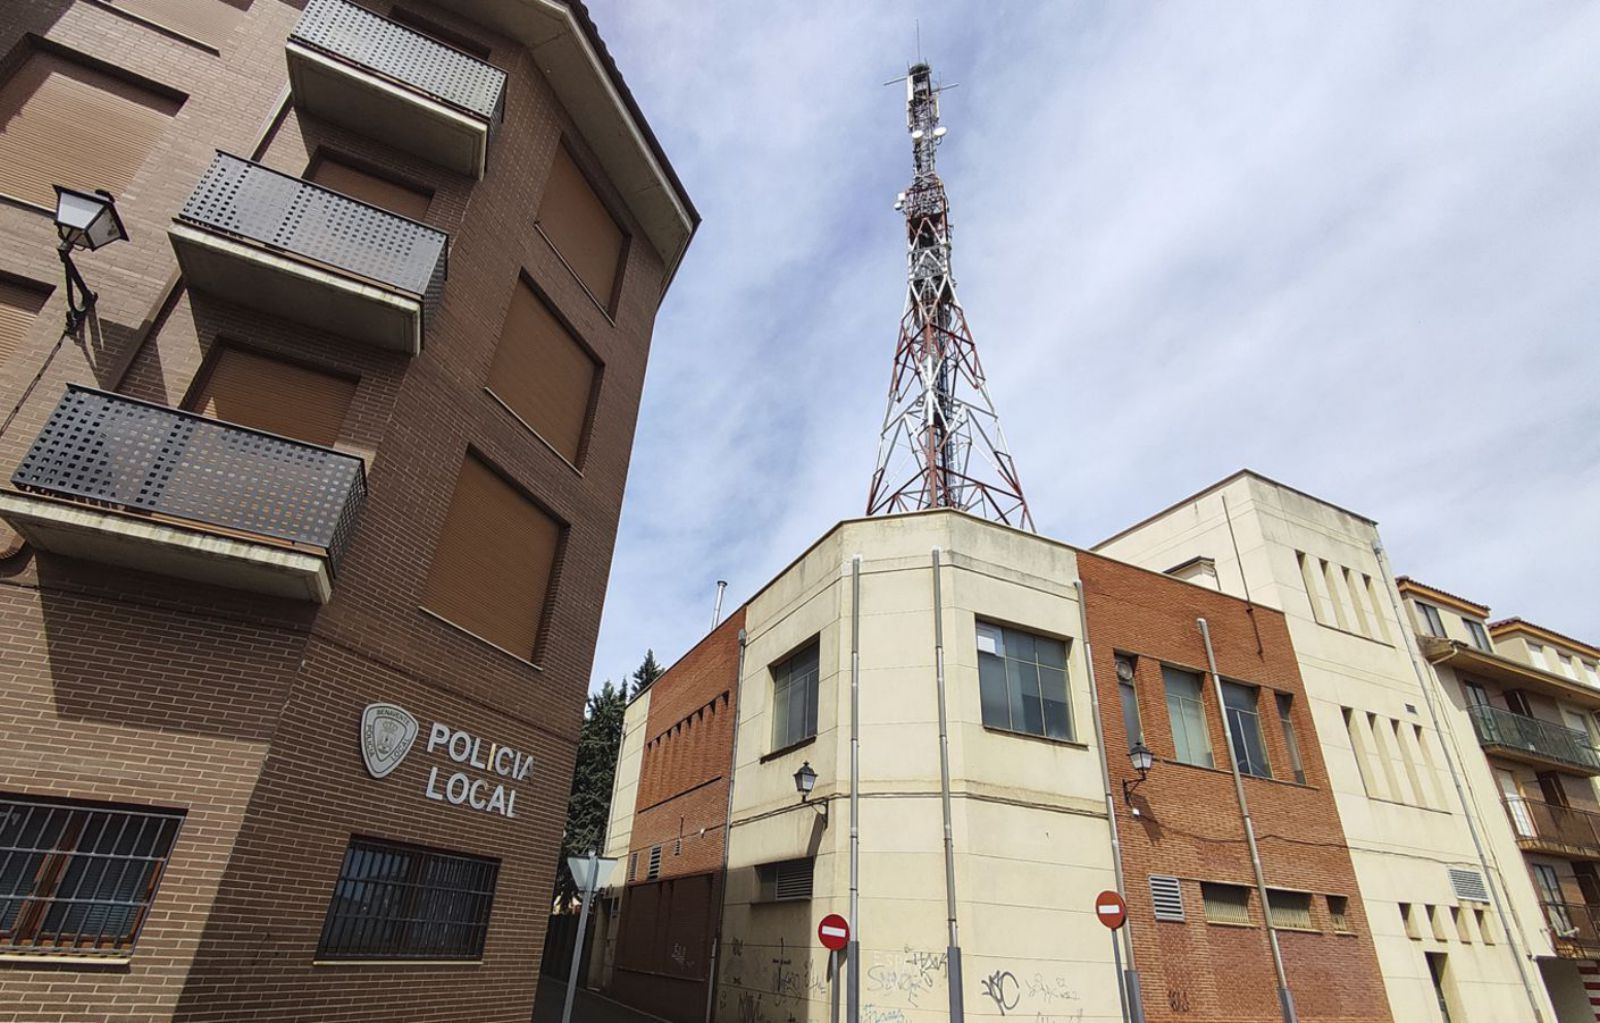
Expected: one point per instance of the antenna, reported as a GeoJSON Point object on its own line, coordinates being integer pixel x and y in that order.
{"type": "Point", "coordinates": [939, 412]}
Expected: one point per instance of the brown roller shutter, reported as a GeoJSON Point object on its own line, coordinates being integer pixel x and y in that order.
{"type": "Point", "coordinates": [278, 397]}
{"type": "Point", "coordinates": [580, 227]}
{"type": "Point", "coordinates": [19, 307]}
{"type": "Point", "coordinates": [64, 123]}
{"type": "Point", "coordinates": [491, 568]}
{"type": "Point", "coordinates": [543, 373]}
{"type": "Point", "coordinates": [369, 188]}
{"type": "Point", "coordinates": [209, 21]}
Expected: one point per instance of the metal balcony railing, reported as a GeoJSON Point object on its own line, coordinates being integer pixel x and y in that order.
{"type": "Point", "coordinates": [1573, 925]}
{"type": "Point", "coordinates": [1551, 828]}
{"type": "Point", "coordinates": [126, 454]}
{"type": "Point", "coordinates": [249, 201]}
{"type": "Point", "coordinates": [1530, 736]}
{"type": "Point", "coordinates": [405, 57]}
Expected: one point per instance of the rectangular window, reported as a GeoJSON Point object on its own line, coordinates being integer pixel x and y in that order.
{"type": "Point", "coordinates": [1334, 597]}
{"type": "Point", "coordinates": [1462, 925]}
{"type": "Point", "coordinates": [581, 228]}
{"type": "Point", "coordinates": [1225, 903]}
{"type": "Point", "coordinates": [209, 21]}
{"type": "Point", "coordinates": [1485, 928]}
{"type": "Point", "coordinates": [1244, 721]}
{"type": "Point", "coordinates": [77, 879]}
{"type": "Point", "coordinates": [1290, 910]}
{"type": "Point", "coordinates": [1477, 696]}
{"type": "Point", "coordinates": [1309, 579]}
{"type": "Point", "coordinates": [1377, 611]}
{"type": "Point", "coordinates": [1356, 603]}
{"type": "Point", "coordinates": [45, 106]}
{"type": "Point", "coordinates": [1132, 721]}
{"type": "Point", "coordinates": [794, 696]}
{"type": "Point", "coordinates": [1436, 921]}
{"type": "Point", "coordinates": [1536, 656]}
{"type": "Point", "coordinates": [1290, 741]}
{"type": "Point", "coordinates": [788, 881]}
{"type": "Point", "coordinates": [494, 561]}
{"type": "Point", "coordinates": [372, 189]}
{"type": "Point", "coordinates": [1191, 742]}
{"type": "Point", "coordinates": [249, 389]}
{"type": "Point", "coordinates": [1022, 682]}
{"type": "Point", "coordinates": [396, 901]}
{"type": "Point", "coordinates": [1339, 914]}
{"type": "Point", "coordinates": [1567, 668]}
{"type": "Point", "coordinates": [1432, 624]}
{"type": "Point", "coordinates": [1480, 638]}
{"type": "Point", "coordinates": [19, 307]}
{"type": "Point", "coordinates": [543, 374]}
{"type": "Point", "coordinates": [1409, 921]}
{"type": "Point", "coordinates": [1362, 754]}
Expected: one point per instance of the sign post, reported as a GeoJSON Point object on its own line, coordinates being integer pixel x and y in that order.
{"type": "Point", "coordinates": [1110, 910]}
{"type": "Point", "coordinates": [589, 871]}
{"type": "Point", "coordinates": [834, 933]}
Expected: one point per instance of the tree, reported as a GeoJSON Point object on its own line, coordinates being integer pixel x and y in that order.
{"type": "Point", "coordinates": [646, 674]}
{"type": "Point", "coordinates": [589, 806]}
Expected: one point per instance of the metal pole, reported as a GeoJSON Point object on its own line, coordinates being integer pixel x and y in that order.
{"type": "Point", "coordinates": [833, 987]}
{"type": "Point", "coordinates": [714, 971]}
{"type": "Point", "coordinates": [1122, 988]}
{"type": "Point", "coordinates": [953, 952]}
{"type": "Point", "coordinates": [1133, 1004]}
{"type": "Point", "coordinates": [716, 612]}
{"type": "Point", "coordinates": [1285, 999]}
{"type": "Point", "coordinates": [577, 946]}
{"type": "Point", "coordinates": [853, 981]}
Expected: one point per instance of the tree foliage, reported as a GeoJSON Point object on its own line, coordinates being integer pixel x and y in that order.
{"type": "Point", "coordinates": [646, 674]}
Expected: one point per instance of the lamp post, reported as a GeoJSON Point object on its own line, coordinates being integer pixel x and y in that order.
{"type": "Point", "coordinates": [589, 871]}
{"type": "Point", "coordinates": [84, 220]}
{"type": "Point", "coordinates": [1142, 759]}
{"type": "Point", "coordinates": [805, 780]}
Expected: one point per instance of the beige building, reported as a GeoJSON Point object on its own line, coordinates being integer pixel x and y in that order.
{"type": "Point", "coordinates": [1454, 926]}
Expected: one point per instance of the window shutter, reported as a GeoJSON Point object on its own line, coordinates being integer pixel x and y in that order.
{"type": "Point", "coordinates": [19, 307]}
{"type": "Point", "coordinates": [542, 373]}
{"type": "Point", "coordinates": [1166, 895]}
{"type": "Point", "coordinates": [580, 227]}
{"type": "Point", "coordinates": [209, 21]}
{"type": "Point", "coordinates": [492, 566]}
{"type": "Point", "coordinates": [655, 863]}
{"type": "Point", "coordinates": [44, 107]}
{"type": "Point", "coordinates": [369, 188]}
{"type": "Point", "coordinates": [1468, 884]}
{"type": "Point", "coordinates": [792, 880]}
{"type": "Point", "coordinates": [279, 397]}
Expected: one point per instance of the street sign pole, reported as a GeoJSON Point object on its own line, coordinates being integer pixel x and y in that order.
{"type": "Point", "coordinates": [590, 867]}
{"type": "Point", "coordinates": [833, 931]}
{"type": "Point", "coordinates": [1112, 911]}
{"type": "Point", "coordinates": [1122, 990]}
{"type": "Point", "coordinates": [833, 986]}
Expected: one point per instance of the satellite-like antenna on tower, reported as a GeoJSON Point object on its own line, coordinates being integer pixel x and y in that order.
{"type": "Point", "coordinates": [941, 445]}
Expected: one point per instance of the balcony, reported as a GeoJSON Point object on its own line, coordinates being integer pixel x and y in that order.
{"type": "Point", "coordinates": [1573, 927]}
{"type": "Point", "coordinates": [287, 247]}
{"type": "Point", "coordinates": [1558, 830]}
{"type": "Point", "coordinates": [377, 77]}
{"type": "Point", "coordinates": [1531, 741]}
{"type": "Point", "coordinates": [125, 482]}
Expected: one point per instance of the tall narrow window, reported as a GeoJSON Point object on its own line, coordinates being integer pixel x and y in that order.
{"type": "Point", "coordinates": [1480, 638]}
{"type": "Point", "coordinates": [1361, 750]}
{"type": "Point", "coordinates": [1309, 579]}
{"type": "Point", "coordinates": [1131, 719]}
{"type": "Point", "coordinates": [1191, 742]}
{"type": "Point", "coordinates": [395, 901]}
{"type": "Point", "coordinates": [64, 123]}
{"type": "Point", "coordinates": [1339, 913]}
{"type": "Point", "coordinates": [249, 389]}
{"type": "Point", "coordinates": [1477, 696]}
{"type": "Point", "coordinates": [1244, 722]}
{"type": "Point", "coordinates": [1356, 602]}
{"type": "Point", "coordinates": [1022, 682]}
{"type": "Point", "coordinates": [1439, 971]}
{"type": "Point", "coordinates": [19, 307]}
{"type": "Point", "coordinates": [1290, 741]}
{"type": "Point", "coordinates": [794, 697]}
{"type": "Point", "coordinates": [581, 228]}
{"type": "Point", "coordinates": [493, 564]}
{"type": "Point", "coordinates": [1377, 608]}
{"type": "Point", "coordinates": [1428, 615]}
{"type": "Point", "coordinates": [384, 193]}
{"type": "Point", "coordinates": [543, 374]}
{"type": "Point", "coordinates": [1334, 597]}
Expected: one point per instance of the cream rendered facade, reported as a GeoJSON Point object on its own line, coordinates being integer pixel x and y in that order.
{"type": "Point", "coordinates": [1323, 568]}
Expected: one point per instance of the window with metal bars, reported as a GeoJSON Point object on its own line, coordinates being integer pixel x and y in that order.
{"type": "Point", "coordinates": [397, 901]}
{"type": "Point", "coordinates": [78, 879]}
{"type": "Point", "coordinates": [787, 881]}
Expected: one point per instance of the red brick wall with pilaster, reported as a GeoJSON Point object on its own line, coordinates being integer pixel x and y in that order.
{"type": "Point", "coordinates": [1189, 823]}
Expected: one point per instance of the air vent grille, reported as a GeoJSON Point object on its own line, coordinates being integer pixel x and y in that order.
{"type": "Point", "coordinates": [1166, 895]}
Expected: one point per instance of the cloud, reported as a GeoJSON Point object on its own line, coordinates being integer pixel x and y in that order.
{"type": "Point", "coordinates": [1354, 246]}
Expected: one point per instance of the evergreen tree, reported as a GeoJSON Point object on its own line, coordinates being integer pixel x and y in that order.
{"type": "Point", "coordinates": [589, 807]}
{"type": "Point", "coordinates": [646, 674]}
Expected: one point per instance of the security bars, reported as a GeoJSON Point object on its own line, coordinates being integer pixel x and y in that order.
{"type": "Point", "coordinates": [397, 901]}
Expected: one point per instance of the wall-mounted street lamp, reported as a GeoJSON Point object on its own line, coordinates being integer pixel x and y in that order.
{"type": "Point", "coordinates": [84, 220]}
{"type": "Point", "coordinates": [1142, 759]}
{"type": "Point", "coordinates": [805, 780]}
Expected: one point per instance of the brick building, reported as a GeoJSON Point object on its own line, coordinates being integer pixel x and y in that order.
{"type": "Point", "coordinates": [308, 527]}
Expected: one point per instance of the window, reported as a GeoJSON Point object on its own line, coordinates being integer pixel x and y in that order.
{"type": "Point", "coordinates": [788, 881]}
{"type": "Point", "coordinates": [78, 879]}
{"type": "Point", "coordinates": [1290, 910]}
{"type": "Point", "coordinates": [1590, 670]}
{"type": "Point", "coordinates": [1377, 611]}
{"type": "Point", "coordinates": [1191, 743]}
{"type": "Point", "coordinates": [1356, 603]}
{"type": "Point", "coordinates": [1436, 921]}
{"type": "Point", "coordinates": [581, 228]}
{"type": "Point", "coordinates": [1290, 742]}
{"type": "Point", "coordinates": [1477, 696]}
{"type": "Point", "coordinates": [44, 107]}
{"type": "Point", "coordinates": [1409, 921]}
{"type": "Point", "coordinates": [19, 306]}
{"type": "Point", "coordinates": [1309, 580]}
{"type": "Point", "coordinates": [1166, 897]}
{"type": "Point", "coordinates": [1432, 624]}
{"type": "Point", "coordinates": [1330, 577]}
{"type": "Point", "coordinates": [1244, 721]}
{"type": "Point", "coordinates": [1485, 929]}
{"type": "Point", "coordinates": [249, 389]}
{"type": "Point", "coordinates": [1567, 668]}
{"type": "Point", "coordinates": [209, 21]}
{"type": "Point", "coordinates": [493, 564]}
{"type": "Point", "coordinates": [382, 192]}
{"type": "Point", "coordinates": [543, 374]}
{"type": "Point", "coordinates": [794, 697]}
{"type": "Point", "coordinates": [1438, 969]}
{"type": "Point", "coordinates": [1225, 903]}
{"type": "Point", "coordinates": [1131, 719]}
{"type": "Point", "coordinates": [1462, 925]}
{"type": "Point", "coordinates": [1360, 750]}
{"type": "Point", "coordinates": [654, 870]}
{"type": "Point", "coordinates": [1022, 682]}
{"type": "Point", "coordinates": [1536, 656]}
{"type": "Point", "coordinates": [1480, 638]}
{"type": "Point", "coordinates": [397, 901]}
{"type": "Point", "coordinates": [1339, 914]}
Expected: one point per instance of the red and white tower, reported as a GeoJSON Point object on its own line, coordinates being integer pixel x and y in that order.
{"type": "Point", "coordinates": [942, 446]}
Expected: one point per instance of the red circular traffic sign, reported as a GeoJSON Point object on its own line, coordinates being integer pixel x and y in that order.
{"type": "Point", "coordinates": [1110, 910]}
{"type": "Point", "coordinates": [833, 932]}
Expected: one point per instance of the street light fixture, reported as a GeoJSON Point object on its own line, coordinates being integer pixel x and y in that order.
{"type": "Point", "coordinates": [805, 780]}
{"type": "Point", "coordinates": [1142, 759]}
{"type": "Point", "coordinates": [84, 220]}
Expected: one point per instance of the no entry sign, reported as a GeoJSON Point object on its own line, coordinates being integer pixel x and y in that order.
{"type": "Point", "coordinates": [1110, 909]}
{"type": "Point", "coordinates": [833, 932]}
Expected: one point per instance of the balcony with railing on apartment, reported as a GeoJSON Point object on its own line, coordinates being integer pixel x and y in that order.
{"type": "Point", "coordinates": [1532, 741]}
{"type": "Point", "coordinates": [1558, 830]}
{"type": "Point", "coordinates": [126, 482]}
{"type": "Point", "coordinates": [1575, 929]}
{"type": "Point", "coordinates": [288, 247]}
{"type": "Point", "coordinates": [380, 78]}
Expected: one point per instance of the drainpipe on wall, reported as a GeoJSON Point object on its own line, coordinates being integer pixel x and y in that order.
{"type": "Point", "coordinates": [1285, 999]}
{"type": "Point", "coordinates": [953, 951]}
{"type": "Point", "coordinates": [1133, 997]}
{"type": "Point", "coordinates": [713, 974]}
{"type": "Point", "coordinates": [1446, 741]}
{"type": "Point", "coordinates": [853, 953]}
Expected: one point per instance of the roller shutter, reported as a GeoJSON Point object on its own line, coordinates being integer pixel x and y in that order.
{"type": "Point", "coordinates": [19, 307]}
{"type": "Point", "coordinates": [209, 21]}
{"type": "Point", "coordinates": [369, 188]}
{"type": "Point", "coordinates": [581, 228]}
{"type": "Point", "coordinates": [543, 374]}
{"type": "Point", "coordinates": [278, 397]}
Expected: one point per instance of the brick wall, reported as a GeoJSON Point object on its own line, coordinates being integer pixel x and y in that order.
{"type": "Point", "coordinates": [1189, 824]}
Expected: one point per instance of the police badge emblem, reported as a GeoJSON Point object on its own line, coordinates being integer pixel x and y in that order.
{"type": "Point", "coordinates": [387, 733]}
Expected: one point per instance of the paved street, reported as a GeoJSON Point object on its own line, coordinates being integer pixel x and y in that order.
{"type": "Point", "coordinates": [588, 1008]}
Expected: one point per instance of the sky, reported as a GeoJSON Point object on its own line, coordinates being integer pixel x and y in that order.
{"type": "Point", "coordinates": [1354, 246]}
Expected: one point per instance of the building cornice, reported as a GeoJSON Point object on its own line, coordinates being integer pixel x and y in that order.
{"type": "Point", "coordinates": [1408, 586]}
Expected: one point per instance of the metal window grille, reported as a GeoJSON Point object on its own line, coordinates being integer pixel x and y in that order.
{"type": "Point", "coordinates": [1290, 909]}
{"type": "Point", "coordinates": [1166, 896]}
{"type": "Point", "coordinates": [77, 879]}
{"type": "Point", "coordinates": [633, 866]}
{"type": "Point", "coordinates": [655, 864]}
{"type": "Point", "coordinates": [1226, 903]}
{"type": "Point", "coordinates": [1339, 913]}
{"type": "Point", "coordinates": [788, 881]}
{"type": "Point", "coordinates": [1468, 884]}
{"type": "Point", "coordinates": [396, 901]}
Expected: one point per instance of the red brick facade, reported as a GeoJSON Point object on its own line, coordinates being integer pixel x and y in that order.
{"type": "Point", "coordinates": [1189, 824]}
{"type": "Point", "coordinates": [241, 710]}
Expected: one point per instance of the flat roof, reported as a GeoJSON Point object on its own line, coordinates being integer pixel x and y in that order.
{"type": "Point", "coordinates": [1241, 474]}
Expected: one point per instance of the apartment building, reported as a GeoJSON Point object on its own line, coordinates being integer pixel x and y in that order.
{"type": "Point", "coordinates": [1531, 696]}
{"type": "Point", "coordinates": [1453, 918]}
{"type": "Point", "coordinates": [308, 524]}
